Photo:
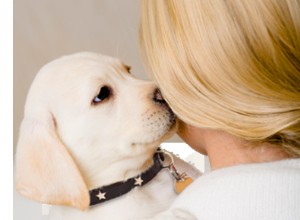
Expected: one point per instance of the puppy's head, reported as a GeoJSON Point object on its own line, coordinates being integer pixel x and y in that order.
{"type": "Point", "coordinates": [81, 109]}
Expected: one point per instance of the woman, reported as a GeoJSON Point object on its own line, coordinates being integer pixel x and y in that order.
{"type": "Point", "coordinates": [230, 70]}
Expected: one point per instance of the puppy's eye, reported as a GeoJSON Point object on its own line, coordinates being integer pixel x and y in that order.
{"type": "Point", "coordinates": [103, 94]}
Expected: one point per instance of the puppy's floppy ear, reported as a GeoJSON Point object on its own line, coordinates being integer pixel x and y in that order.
{"type": "Point", "coordinates": [45, 171]}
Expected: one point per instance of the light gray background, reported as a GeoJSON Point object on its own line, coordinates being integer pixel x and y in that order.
{"type": "Point", "coordinates": [47, 29]}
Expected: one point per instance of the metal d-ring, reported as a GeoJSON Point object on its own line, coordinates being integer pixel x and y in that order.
{"type": "Point", "coordinates": [165, 153]}
{"type": "Point", "coordinates": [172, 169]}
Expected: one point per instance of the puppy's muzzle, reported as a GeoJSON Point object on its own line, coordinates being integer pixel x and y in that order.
{"type": "Point", "coordinates": [159, 99]}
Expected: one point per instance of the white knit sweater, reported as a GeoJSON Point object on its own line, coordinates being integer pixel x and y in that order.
{"type": "Point", "coordinates": [266, 191]}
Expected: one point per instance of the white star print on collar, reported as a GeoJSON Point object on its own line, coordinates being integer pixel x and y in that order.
{"type": "Point", "coordinates": [101, 195]}
{"type": "Point", "coordinates": [138, 181]}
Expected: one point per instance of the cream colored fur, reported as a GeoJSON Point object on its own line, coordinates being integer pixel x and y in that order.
{"type": "Point", "coordinates": [68, 145]}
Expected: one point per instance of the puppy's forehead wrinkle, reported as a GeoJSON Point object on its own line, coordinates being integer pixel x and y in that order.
{"type": "Point", "coordinates": [89, 56]}
{"type": "Point", "coordinates": [82, 63]}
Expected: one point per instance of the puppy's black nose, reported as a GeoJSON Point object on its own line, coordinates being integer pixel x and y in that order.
{"type": "Point", "coordinates": [157, 97]}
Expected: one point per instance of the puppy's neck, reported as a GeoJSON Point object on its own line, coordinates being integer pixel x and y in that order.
{"type": "Point", "coordinates": [105, 172]}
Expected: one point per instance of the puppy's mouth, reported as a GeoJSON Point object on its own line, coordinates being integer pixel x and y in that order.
{"type": "Point", "coordinates": [171, 130]}
{"type": "Point", "coordinates": [160, 134]}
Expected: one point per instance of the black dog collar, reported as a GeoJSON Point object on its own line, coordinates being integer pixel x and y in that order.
{"type": "Point", "coordinates": [105, 193]}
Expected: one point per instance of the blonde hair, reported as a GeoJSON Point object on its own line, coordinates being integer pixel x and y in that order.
{"type": "Point", "coordinates": [228, 65]}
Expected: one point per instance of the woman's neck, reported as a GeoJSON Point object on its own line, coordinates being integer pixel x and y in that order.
{"type": "Point", "coordinates": [224, 150]}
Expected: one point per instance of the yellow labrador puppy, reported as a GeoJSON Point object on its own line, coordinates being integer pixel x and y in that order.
{"type": "Point", "coordinates": [89, 138]}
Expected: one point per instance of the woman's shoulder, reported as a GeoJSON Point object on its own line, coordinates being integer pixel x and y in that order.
{"type": "Point", "coordinates": [248, 176]}
{"type": "Point", "coordinates": [268, 168]}
{"type": "Point", "coordinates": [256, 191]}
{"type": "Point", "coordinates": [248, 173]}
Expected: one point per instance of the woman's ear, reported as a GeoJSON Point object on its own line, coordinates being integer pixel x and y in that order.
{"type": "Point", "coordinates": [45, 171]}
